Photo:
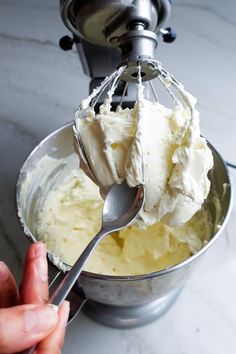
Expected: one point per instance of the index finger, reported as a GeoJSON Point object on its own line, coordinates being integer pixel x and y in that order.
{"type": "Point", "coordinates": [34, 288]}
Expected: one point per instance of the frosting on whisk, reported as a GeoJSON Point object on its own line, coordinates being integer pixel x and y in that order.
{"type": "Point", "coordinates": [150, 144]}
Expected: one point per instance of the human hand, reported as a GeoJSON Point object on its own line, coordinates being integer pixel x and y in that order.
{"type": "Point", "coordinates": [25, 316]}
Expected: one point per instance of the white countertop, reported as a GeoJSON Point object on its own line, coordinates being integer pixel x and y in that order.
{"type": "Point", "coordinates": [40, 86]}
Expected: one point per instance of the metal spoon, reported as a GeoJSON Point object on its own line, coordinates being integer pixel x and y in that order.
{"type": "Point", "coordinates": [121, 207]}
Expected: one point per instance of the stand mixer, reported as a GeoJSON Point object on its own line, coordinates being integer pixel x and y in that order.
{"type": "Point", "coordinates": [117, 37]}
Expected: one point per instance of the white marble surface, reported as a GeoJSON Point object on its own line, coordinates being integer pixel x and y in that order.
{"type": "Point", "coordinates": [40, 86]}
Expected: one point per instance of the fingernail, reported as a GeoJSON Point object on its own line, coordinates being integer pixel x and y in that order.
{"type": "Point", "coordinates": [66, 312]}
{"type": "Point", "coordinates": [54, 307]}
{"type": "Point", "coordinates": [66, 304]}
{"type": "Point", "coordinates": [40, 319]}
{"type": "Point", "coordinates": [4, 272]}
{"type": "Point", "coordinates": [42, 268]}
{"type": "Point", "coordinates": [40, 249]}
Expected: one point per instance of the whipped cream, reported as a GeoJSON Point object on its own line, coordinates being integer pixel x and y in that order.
{"type": "Point", "coordinates": [70, 216]}
{"type": "Point", "coordinates": [151, 145]}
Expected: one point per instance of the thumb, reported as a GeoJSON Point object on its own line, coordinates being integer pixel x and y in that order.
{"type": "Point", "coordinates": [23, 326]}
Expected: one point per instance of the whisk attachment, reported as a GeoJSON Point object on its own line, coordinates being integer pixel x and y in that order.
{"type": "Point", "coordinates": [107, 89]}
{"type": "Point", "coordinates": [149, 144]}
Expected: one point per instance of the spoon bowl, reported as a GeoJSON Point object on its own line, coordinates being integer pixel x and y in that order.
{"type": "Point", "coordinates": [122, 205]}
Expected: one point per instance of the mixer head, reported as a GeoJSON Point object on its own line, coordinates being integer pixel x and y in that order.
{"type": "Point", "coordinates": [101, 27]}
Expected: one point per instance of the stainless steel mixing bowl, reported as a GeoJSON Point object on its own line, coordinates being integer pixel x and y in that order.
{"type": "Point", "coordinates": [117, 301]}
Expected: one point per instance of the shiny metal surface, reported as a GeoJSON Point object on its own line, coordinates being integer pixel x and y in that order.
{"type": "Point", "coordinates": [102, 22]}
{"type": "Point", "coordinates": [103, 27]}
{"type": "Point", "coordinates": [133, 316]}
{"type": "Point", "coordinates": [117, 295]}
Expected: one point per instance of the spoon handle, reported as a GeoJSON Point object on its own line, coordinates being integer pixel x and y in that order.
{"type": "Point", "coordinates": [69, 280]}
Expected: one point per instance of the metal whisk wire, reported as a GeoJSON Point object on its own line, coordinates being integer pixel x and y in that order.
{"type": "Point", "coordinates": [112, 80]}
{"type": "Point", "coordinates": [153, 91]}
{"type": "Point", "coordinates": [123, 95]}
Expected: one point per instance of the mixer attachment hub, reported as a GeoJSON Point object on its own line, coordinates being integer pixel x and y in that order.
{"type": "Point", "coordinates": [149, 71]}
{"type": "Point", "coordinates": [137, 45]}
